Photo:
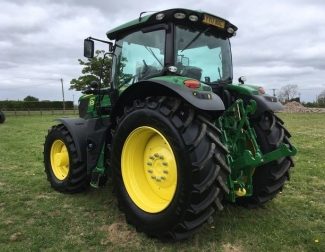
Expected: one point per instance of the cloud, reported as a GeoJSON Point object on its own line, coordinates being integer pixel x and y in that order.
{"type": "Point", "coordinates": [278, 42]}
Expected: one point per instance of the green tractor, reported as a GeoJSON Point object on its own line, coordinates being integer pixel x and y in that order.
{"type": "Point", "coordinates": [173, 132]}
{"type": "Point", "coordinates": [2, 117]}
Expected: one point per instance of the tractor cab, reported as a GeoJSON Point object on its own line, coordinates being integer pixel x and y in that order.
{"type": "Point", "coordinates": [173, 42]}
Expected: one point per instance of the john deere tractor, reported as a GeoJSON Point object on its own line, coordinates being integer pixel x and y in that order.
{"type": "Point", "coordinates": [173, 132]}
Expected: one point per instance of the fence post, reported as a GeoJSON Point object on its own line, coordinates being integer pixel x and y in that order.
{"type": "Point", "coordinates": [41, 112]}
{"type": "Point", "coordinates": [28, 112]}
{"type": "Point", "coordinates": [15, 112]}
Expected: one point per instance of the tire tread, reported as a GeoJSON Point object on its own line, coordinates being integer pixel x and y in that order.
{"type": "Point", "coordinates": [208, 171]}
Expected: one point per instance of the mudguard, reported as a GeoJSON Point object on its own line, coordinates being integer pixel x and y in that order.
{"type": "Point", "coordinates": [250, 92]}
{"type": "Point", "coordinates": [203, 100]}
{"type": "Point", "coordinates": [89, 137]}
{"type": "Point", "coordinates": [266, 103]}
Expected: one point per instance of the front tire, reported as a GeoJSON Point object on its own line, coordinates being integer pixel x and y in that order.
{"type": "Point", "coordinates": [64, 171]}
{"type": "Point", "coordinates": [155, 134]}
{"type": "Point", "coordinates": [269, 179]}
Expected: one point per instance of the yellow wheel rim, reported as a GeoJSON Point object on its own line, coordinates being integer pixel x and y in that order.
{"type": "Point", "coordinates": [149, 169]}
{"type": "Point", "coordinates": [59, 159]}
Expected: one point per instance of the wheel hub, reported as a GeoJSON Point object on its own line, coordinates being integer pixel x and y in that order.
{"type": "Point", "coordinates": [59, 160]}
{"type": "Point", "coordinates": [158, 163]}
{"type": "Point", "coordinates": [149, 169]}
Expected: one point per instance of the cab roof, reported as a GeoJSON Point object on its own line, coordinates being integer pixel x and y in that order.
{"type": "Point", "coordinates": [204, 19]}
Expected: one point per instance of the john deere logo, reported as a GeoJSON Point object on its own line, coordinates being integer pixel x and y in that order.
{"type": "Point", "coordinates": [92, 102]}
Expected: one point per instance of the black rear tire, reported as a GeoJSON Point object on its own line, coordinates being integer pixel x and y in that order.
{"type": "Point", "coordinates": [201, 167]}
{"type": "Point", "coordinates": [2, 117]}
{"type": "Point", "coordinates": [77, 179]}
{"type": "Point", "coordinates": [269, 179]}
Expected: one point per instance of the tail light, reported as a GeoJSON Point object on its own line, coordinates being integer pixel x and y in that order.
{"type": "Point", "coordinates": [192, 84]}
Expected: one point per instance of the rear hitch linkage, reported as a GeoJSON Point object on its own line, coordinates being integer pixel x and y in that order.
{"type": "Point", "coordinates": [244, 152]}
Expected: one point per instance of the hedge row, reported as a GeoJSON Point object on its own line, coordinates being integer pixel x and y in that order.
{"type": "Point", "coordinates": [314, 104]}
{"type": "Point", "coordinates": [34, 105]}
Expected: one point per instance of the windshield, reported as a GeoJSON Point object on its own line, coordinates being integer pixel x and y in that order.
{"type": "Point", "coordinates": [139, 56]}
{"type": "Point", "coordinates": [202, 55]}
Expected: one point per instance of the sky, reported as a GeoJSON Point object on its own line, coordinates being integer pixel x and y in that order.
{"type": "Point", "coordinates": [278, 42]}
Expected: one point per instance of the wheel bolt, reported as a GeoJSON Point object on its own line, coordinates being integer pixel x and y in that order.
{"type": "Point", "coordinates": [150, 171]}
{"type": "Point", "coordinates": [165, 164]}
{"type": "Point", "coordinates": [162, 178]}
{"type": "Point", "coordinates": [158, 180]}
{"type": "Point", "coordinates": [166, 172]}
{"type": "Point", "coordinates": [161, 157]}
{"type": "Point", "coordinates": [156, 155]}
{"type": "Point", "coordinates": [149, 163]}
{"type": "Point", "coordinates": [153, 177]}
{"type": "Point", "coordinates": [152, 157]}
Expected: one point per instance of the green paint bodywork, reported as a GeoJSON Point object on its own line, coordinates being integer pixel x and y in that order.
{"type": "Point", "coordinates": [243, 89]}
{"type": "Point", "coordinates": [130, 24]}
{"type": "Point", "coordinates": [93, 100]}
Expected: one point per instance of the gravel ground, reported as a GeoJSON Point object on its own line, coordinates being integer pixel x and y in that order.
{"type": "Point", "coordinates": [294, 107]}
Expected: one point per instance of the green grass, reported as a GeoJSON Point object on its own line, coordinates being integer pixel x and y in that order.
{"type": "Point", "coordinates": [35, 217]}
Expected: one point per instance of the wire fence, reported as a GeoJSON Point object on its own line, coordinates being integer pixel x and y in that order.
{"type": "Point", "coordinates": [39, 112]}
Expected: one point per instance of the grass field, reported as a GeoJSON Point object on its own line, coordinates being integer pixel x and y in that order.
{"type": "Point", "coordinates": [34, 217]}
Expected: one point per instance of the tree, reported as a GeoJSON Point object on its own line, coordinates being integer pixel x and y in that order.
{"type": "Point", "coordinates": [321, 98]}
{"type": "Point", "coordinates": [91, 71]}
{"type": "Point", "coordinates": [288, 92]}
{"type": "Point", "coordinates": [30, 98]}
{"type": "Point", "coordinates": [120, 77]}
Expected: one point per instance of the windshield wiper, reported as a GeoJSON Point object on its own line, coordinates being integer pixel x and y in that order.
{"type": "Point", "coordinates": [195, 38]}
{"type": "Point", "coordinates": [154, 55]}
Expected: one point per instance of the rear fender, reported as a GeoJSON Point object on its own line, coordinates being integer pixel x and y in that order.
{"type": "Point", "coordinates": [250, 92]}
{"type": "Point", "coordinates": [265, 103]}
{"type": "Point", "coordinates": [203, 100]}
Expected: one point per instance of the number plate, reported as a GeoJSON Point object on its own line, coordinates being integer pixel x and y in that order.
{"type": "Point", "coordinates": [214, 21]}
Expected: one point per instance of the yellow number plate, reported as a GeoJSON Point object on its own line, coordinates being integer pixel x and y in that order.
{"type": "Point", "coordinates": [214, 21]}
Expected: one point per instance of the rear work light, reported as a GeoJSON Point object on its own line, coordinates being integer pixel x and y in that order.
{"type": "Point", "coordinates": [179, 15]}
{"type": "Point", "coordinates": [160, 16]}
{"type": "Point", "coordinates": [193, 18]}
{"type": "Point", "coordinates": [192, 84]}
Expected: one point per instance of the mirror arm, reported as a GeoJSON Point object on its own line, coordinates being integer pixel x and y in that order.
{"type": "Point", "coordinates": [103, 41]}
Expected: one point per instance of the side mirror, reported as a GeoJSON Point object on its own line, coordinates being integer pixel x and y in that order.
{"type": "Point", "coordinates": [89, 48]}
{"type": "Point", "coordinates": [185, 61]}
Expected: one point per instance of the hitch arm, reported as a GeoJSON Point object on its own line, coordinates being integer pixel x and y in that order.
{"type": "Point", "coordinates": [244, 152]}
